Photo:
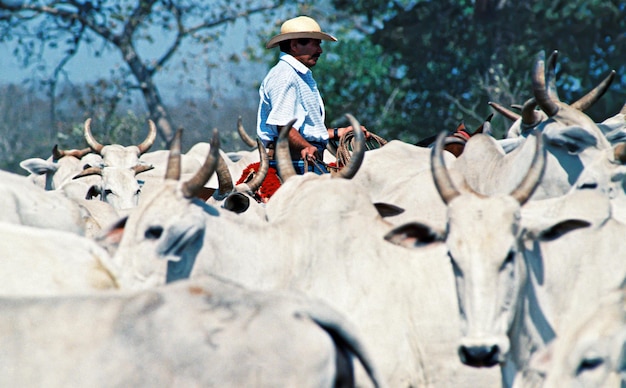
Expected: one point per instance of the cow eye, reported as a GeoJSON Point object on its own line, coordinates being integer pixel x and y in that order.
{"type": "Point", "coordinates": [154, 232]}
{"type": "Point", "coordinates": [589, 364]}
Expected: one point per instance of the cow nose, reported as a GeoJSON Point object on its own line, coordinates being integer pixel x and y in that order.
{"type": "Point", "coordinates": [479, 356]}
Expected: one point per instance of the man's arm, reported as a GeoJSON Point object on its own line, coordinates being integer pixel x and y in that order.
{"type": "Point", "coordinates": [298, 145]}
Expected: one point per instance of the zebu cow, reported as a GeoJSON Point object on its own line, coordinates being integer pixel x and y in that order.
{"type": "Point", "coordinates": [207, 333]}
{"type": "Point", "coordinates": [44, 262]}
{"type": "Point", "coordinates": [324, 238]}
{"type": "Point", "coordinates": [529, 118]}
{"type": "Point", "coordinates": [118, 170]}
{"type": "Point", "coordinates": [26, 204]}
{"type": "Point", "coordinates": [59, 168]}
{"type": "Point", "coordinates": [572, 139]}
{"type": "Point", "coordinates": [517, 275]}
{"type": "Point", "coordinates": [589, 352]}
{"type": "Point", "coordinates": [241, 197]}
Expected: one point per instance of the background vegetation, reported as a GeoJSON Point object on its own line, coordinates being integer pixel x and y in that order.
{"type": "Point", "coordinates": [405, 69]}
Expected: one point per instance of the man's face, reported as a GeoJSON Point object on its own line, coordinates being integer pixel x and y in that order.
{"type": "Point", "coordinates": [307, 53]}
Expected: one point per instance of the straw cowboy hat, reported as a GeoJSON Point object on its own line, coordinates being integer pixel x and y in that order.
{"type": "Point", "coordinates": [299, 27]}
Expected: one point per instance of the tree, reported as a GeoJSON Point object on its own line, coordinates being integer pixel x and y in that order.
{"type": "Point", "coordinates": [122, 27]}
{"type": "Point", "coordinates": [460, 54]}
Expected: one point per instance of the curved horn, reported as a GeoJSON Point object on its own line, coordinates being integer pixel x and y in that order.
{"type": "Point", "coordinates": [551, 76]}
{"type": "Point", "coordinates": [264, 167]}
{"type": "Point", "coordinates": [244, 135]}
{"type": "Point", "coordinates": [142, 168]}
{"type": "Point", "coordinates": [224, 178]}
{"type": "Point", "coordinates": [586, 101]}
{"type": "Point", "coordinates": [283, 157]}
{"type": "Point", "coordinates": [194, 185]}
{"type": "Point", "coordinates": [441, 177]}
{"type": "Point", "coordinates": [93, 143]}
{"type": "Point", "coordinates": [509, 114]}
{"type": "Point", "coordinates": [358, 151]}
{"type": "Point", "coordinates": [58, 154]}
{"type": "Point", "coordinates": [89, 171]}
{"type": "Point", "coordinates": [149, 140]}
{"type": "Point", "coordinates": [173, 159]}
{"type": "Point", "coordinates": [542, 96]}
{"type": "Point", "coordinates": [530, 116]}
{"type": "Point", "coordinates": [530, 182]}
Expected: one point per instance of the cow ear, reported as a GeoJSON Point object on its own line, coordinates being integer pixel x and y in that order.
{"type": "Point", "coordinates": [413, 235]}
{"type": "Point", "coordinates": [38, 166]}
{"type": "Point", "coordinates": [237, 202]}
{"type": "Point", "coordinates": [574, 139]}
{"type": "Point", "coordinates": [387, 209]}
{"type": "Point", "coordinates": [557, 230]}
{"type": "Point", "coordinates": [110, 237]}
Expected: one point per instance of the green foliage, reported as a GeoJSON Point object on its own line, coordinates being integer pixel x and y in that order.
{"type": "Point", "coordinates": [356, 77]}
{"type": "Point", "coordinates": [459, 55]}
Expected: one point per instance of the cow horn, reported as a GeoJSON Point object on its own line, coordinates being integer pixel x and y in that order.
{"type": "Point", "coordinates": [530, 117]}
{"type": "Point", "coordinates": [149, 140]}
{"type": "Point", "coordinates": [224, 178]}
{"type": "Point", "coordinates": [358, 151]}
{"type": "Point", "coordinates": [283, 157]}
{"type": "Point", "coordinates": [93, 143]}
{"type": "Point", "coordinates": [586, 101]}
{"type": "Point", "coordinates": [194, 185]}
{"type": "Point", "coordinates": [89, 171]}
{"type": "Point", "coordinates": [58, 154]}
{"type": "Point", "coordinates": [264, 167]}
{"type": "Point", "coordinates": [441, 177]}
{"type": "Point", "coordinates": [542, 96]}
{"type": "Point", "coordinates": [530, 182]}
{"type": "Point", "coordinates": [509, 114]}
{"type": "Point", "coordinates": [139, 168]}
{"type": "Point", "coordinates": [551, 76]}
{"type": "Point", "coordinates": [173, 159]}
{"type": "Point", "coordinates": [244, 135]}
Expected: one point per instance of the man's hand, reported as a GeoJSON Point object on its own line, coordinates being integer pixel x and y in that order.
{"type": "Point", "coordinates": [309, 153]}
{"type": "Point", "coordinates": [344, 130]}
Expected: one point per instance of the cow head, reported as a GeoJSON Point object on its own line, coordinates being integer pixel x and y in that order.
{"type": "Point", "coordinates": [591, 352]}
{"type": "Point", "coordinates": [162, 236]}
{"type": "Point", "coordinates": [483, 240]}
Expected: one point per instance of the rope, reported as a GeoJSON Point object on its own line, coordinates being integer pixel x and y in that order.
{"type": "Point", "coordinates": [346, 144]}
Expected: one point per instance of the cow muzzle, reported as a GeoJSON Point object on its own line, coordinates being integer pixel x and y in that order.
{"type": "Point", "coordinates": [483, 352]}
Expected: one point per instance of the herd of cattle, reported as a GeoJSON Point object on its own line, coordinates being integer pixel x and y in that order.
{"type": "Point", "coordinates": [499, 266]}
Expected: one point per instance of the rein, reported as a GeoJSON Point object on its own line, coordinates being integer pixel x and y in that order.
{"type": "Point", "coordinates": [346, 144]}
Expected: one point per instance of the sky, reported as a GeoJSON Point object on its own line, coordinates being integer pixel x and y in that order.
{"type": "Point", "coordinates": [85, 67]}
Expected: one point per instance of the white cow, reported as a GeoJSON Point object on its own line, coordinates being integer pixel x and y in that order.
{"type": "Point", "coordinates": [59, 168]}
{"type": "Point", "coordinates": [324, 238]}
{"type": "Point", "coordinates": [118, 170]}
{"type": "Point", "coordinates": [44, 262]}
{"type": "Point", "coordinates": [26, 204]}
{"type": "Point", "coordinates": [208, 332]}
{"type": "Point", "coordinates": [518, 276]}
{"type": "Point", "coordinates": [590, 351]}
{"type": "Point", "coordinates": [572, 139]}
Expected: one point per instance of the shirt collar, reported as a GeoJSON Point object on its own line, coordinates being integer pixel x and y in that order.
{"type": "Point", "coordinates": [293, 62]}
